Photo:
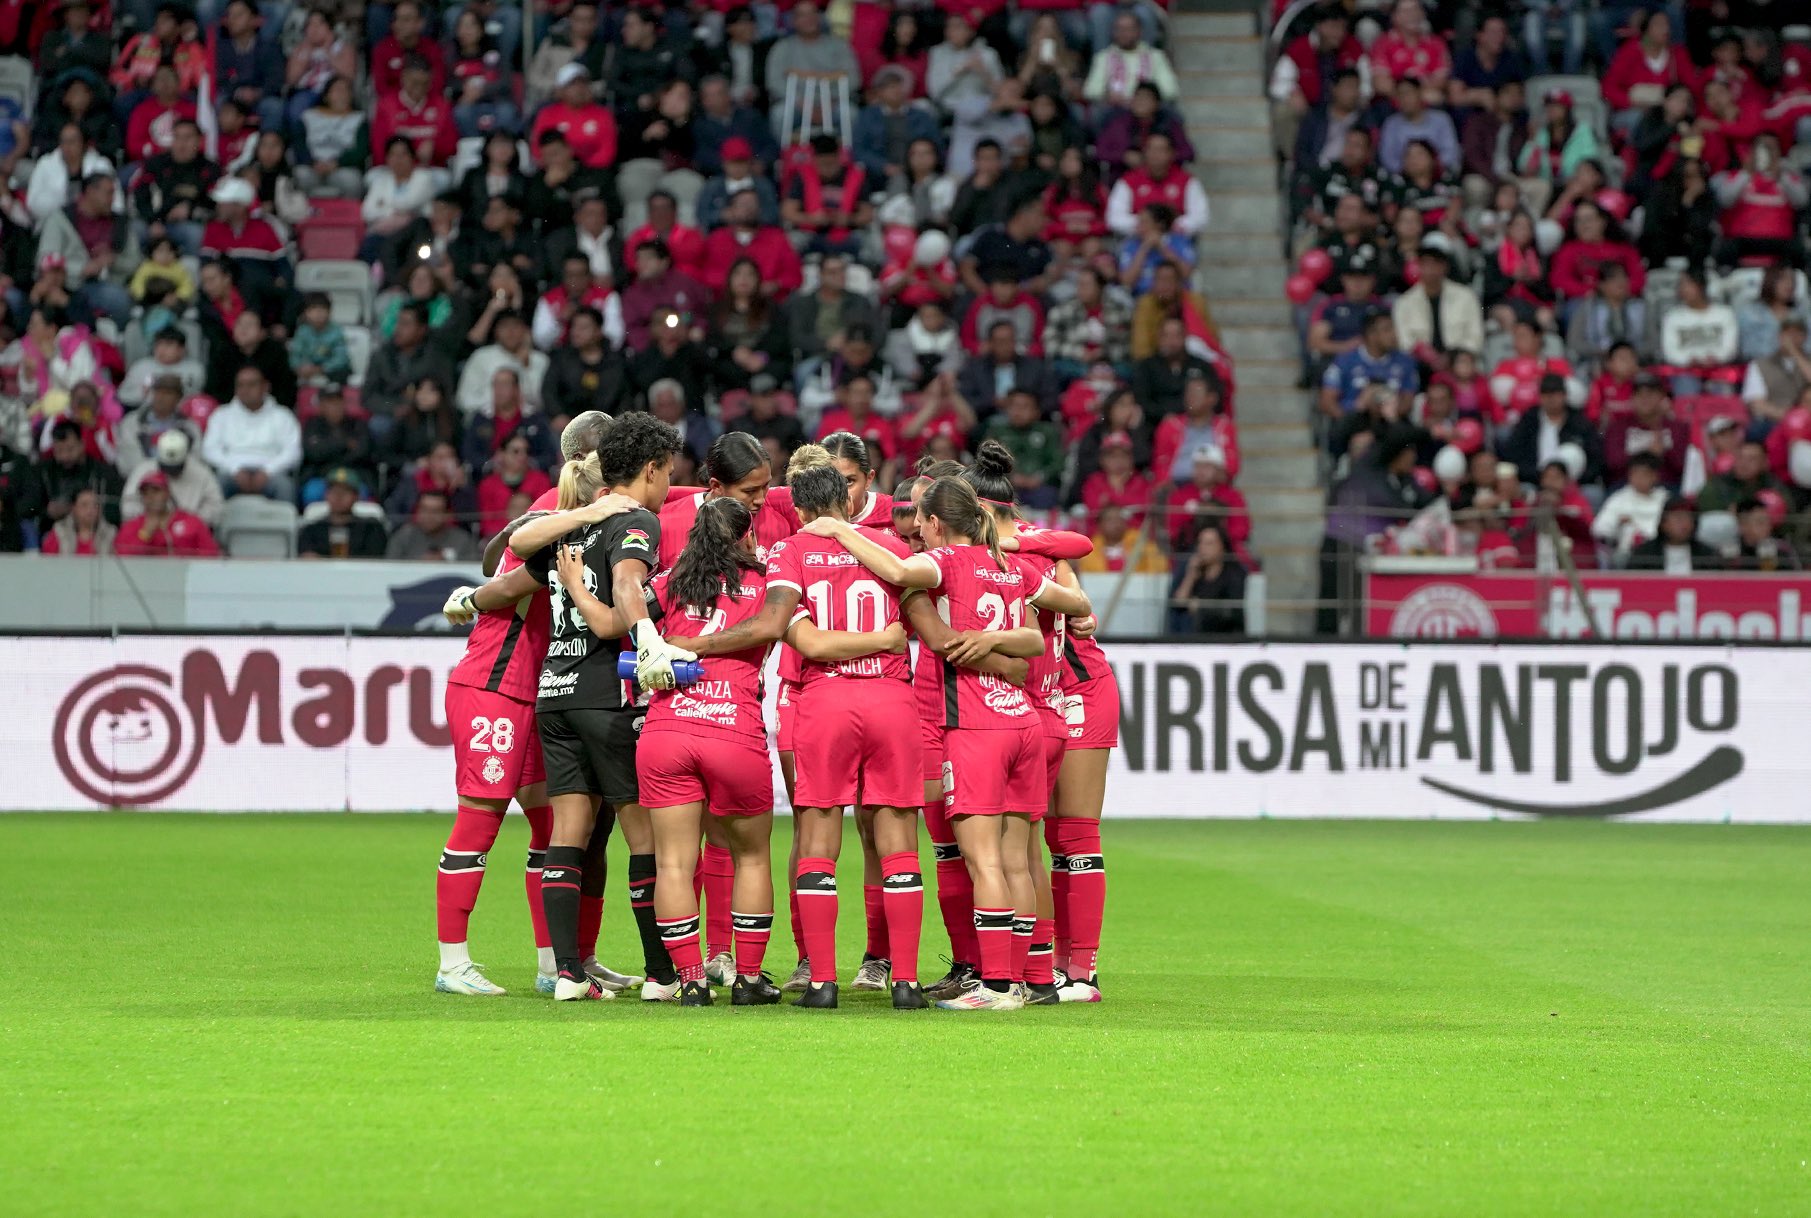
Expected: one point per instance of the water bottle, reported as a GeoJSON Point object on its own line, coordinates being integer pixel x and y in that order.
{"type": "Point", "coordinates": [684, 671]}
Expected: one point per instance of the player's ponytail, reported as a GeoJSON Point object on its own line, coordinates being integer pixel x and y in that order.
{"type": "Point", "coordinates": [714, 557]}
{"type": "Point", "coordinates": [954, 503]}
{"type": "Point", "coordinates": [804, 457]}
{"type": "Point", "coordinates": [580, 481]}
{"type": "Point", "coordinates": [991, 476]}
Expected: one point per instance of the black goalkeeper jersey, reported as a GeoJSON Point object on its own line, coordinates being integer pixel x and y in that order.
{"type": "Point", "coordinates": [580, 670]}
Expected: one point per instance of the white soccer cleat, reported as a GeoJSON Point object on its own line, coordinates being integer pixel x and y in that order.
{"type": "Point", "coordinates": [800, 981]}
{"type": "Point", "coordinates": [466, 979]}
{"type": "Point", "coordinates": [1078, 991]}
{"type": "Point", "coordinates": [654, 991]}
{"type": "Point", "coordinates": [720, 969]}
{"type": "Point", "coordinates": [609, 978]}
{"type": "Point", "coordinates": [874, 974]}
{"type": "Point", "coordinates": [568, 989]}
{"type": "Point", "coordinates": [975, 996]}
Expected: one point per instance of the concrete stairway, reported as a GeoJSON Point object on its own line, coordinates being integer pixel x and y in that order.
{"type": "Point", "coordinates": [1219, 61]}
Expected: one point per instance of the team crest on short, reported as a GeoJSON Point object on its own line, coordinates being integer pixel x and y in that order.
{"type": "Point", "coordinates": [493, 771]}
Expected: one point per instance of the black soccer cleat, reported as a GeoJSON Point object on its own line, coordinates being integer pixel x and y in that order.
{"type": "Point", "coordinates": [951, 983]}
{"type": "Point", "coordinates": [821, 996]}
{"type": "Point", "coordinates": [753, 992]}
{"type": "Point", "coordinates": [908, 997]}
{"type": "Point", "coordinates": [1042, 995]}
{"type": "Point", "coordinates": [695, 994]}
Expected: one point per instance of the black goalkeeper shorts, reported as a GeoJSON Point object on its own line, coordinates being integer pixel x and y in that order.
{"type": "Point", "coordinates": [592, 752]}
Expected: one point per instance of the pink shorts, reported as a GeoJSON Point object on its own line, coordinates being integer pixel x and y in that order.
{"type": "Point", "coordinates": [786, 710]}
{"type": "Point", "coordinates": [930, 743]}
{"type": "Point", "coordinates": [855, 740]}
{"type": "Point", "coordinates": [988, 771]}
{"type": "Point", "coordinates": [1056, 747]}
{"type": "Point", "coordinates": [496, 747]}
{"type": "Point", "coordinates": [1092, 712]}
{"type": "Point", "coordinates": [677, 767]}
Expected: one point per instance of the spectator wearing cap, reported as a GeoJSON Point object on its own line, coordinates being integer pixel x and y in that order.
{"type": "Point", "coordinates": [1415, 120]}
{"type": "Point", "coordinates": [809, 53]}
{"type": "Point", "coordinates": [886, 127]}
{"type": "Point", "coordinates": [1776, 383]}
{"type": "Point", "coordinates": [1438, 316]}
{"type": "Point", "coordinates": [1202, 421]}
{"type": "Point", "coordinates": [340, 531]}
{"type": "Point", "coordinates": [333, 436]}
{"type": "Point", "coordinates": [656, 149]}
{"type": "Point", "coordinates": [162, 529]}
{"type": "Point", "coordinates": [739, 176]}
{"type": "Point", "coordinates": [512, 347]}
{"type": "Point", "coordinates": [1631, 514]}
{"type": "Point", "coordinates": [1116, 483]}
{"type": "Point", "coordinates": [432, 535]}
{"type": "Point", "coordinates": [1410, 49]}
{"type": "Point", "coordinates": [419, 114]}
{"type": "Point", "coordinates": [586, 372]}
{"type": "Point", "coordinates": [139, 432]}
{"type": "Point", "coordinates": [722, 118]}
{"type": "Point", "coordinates": [587, 127]}
{"type": "Point", "coordinates": [1207, 500]}
{"type": "Point", "coordinates": [1159, 178]}
{"type": "Point", "coordinates": [1377, 360]}
{"type": "Point", "coordinates": [642, 64]}
{"type": "Point", "coordinates": [990, 377]}
{"type": "Point", "coordinates": [254, 443]}
{"type": "Point", "coordinates": [1648, 426]}
{"type": "Point", "coordinates": [1642, 69]}
{"type": "Point", "coordinates": [407, 40]}
{"type": "Point", "coordinates": [657, 288]}
{"type": "Point", "coordinates": [194, 487]}
{"type": "Point", "coordinates": [684, 243]}
{"type": "Point", "coordinates": [1699, 340]}
{"type": "Point", "coordinates": [1675, 549]}
{"type": "Point", "coordinates": [1539, 433]}
{"type": "Point", "coordinates": [99, 251]}
{"type": "Point", "coordinates": [169, 357]}
{"type": "Point", "coordinates": [258, 252]}
{"type": "Point", "coordinates": [1306, 72]}
{"type": "Point", "coordinates": [744, 236]}
{"type": "Point", "coordinates": [1336, 323]}
{"type": "Point", "coordinates": [70, 470]}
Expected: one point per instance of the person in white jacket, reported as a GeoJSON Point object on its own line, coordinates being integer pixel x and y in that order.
{"type": "Point", "coordinates": [1697, 337]}
{"type": "Point", "coordinates": [1125, 65]}
{"type": "Point", "coordinates": [1456, 307]}
{"type": "Point", "coordinates": [511, 346]}
{"type": "Point", "coordinates": [1631, 515]}
{"type": "Point", "coordinates": [255, 444]}
{"type": "Point", "coordinates": [57, 171]}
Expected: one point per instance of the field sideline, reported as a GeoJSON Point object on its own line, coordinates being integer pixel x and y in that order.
{"type": "Point", "coordinates": [232, 1014]}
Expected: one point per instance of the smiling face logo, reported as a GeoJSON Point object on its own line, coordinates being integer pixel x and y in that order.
{"type": "Point", "coordinates": [124, 738]}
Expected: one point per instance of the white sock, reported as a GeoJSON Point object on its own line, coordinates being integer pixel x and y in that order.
{"type": "Point", "coordinates": [544, 961]}
{"type": "Point", "coordinates": [452, 955]}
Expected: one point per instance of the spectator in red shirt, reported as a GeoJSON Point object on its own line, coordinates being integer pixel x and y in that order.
{"type": "Point", "coordinates": [1006, 301]}
{"type": "Point", "coordinates": [512, 473]}
{"type": "Point", "coordinates": [1648, 426]}
{"type": "Point", "coordinates": [153, 122]}
{"type": "Point", "coordinates": [258, 253]}
{"type": "Point", "coordinates": [589, 127]}
{"type": "Point", "coordinates": [164, 529]}
{"type": "Point", "coordinates": [407, 40]}
{"type": "Point", "coordinates": [419, 114]}
{"type": "Point", "coordinates": [744, 236]}
{"type": "Point", "coordinates": [1116, 482]}
{"type": "Point", "coordinates": [1410, 48]}
{"type": "Point", "coordinates": [83, 532]}
{"type": "Point", "coordinates": [684, 244]}
{"type": "Point", "coordinates": [1592, 243]}
{"type": "Point", "coordinates": [1643, 69]}
{"type": "Point", "coordinates": [1759, 207]}
{"type": "Point", "coordinates": [1208, 500]}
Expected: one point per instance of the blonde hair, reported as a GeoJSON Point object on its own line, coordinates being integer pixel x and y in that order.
{"type": "Point", "coordinates": [580, 481]}
{"type": "Point", "coordinates": [807, 456]}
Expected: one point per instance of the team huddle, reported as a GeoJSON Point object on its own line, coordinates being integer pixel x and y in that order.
{"type": "Point", "coordinates": [614, 678]}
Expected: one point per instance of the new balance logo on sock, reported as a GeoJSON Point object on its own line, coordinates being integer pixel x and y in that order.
{"type": "Point", "coordinates": [637, 892]}
{"type": "Point", "coordinates": [679, 928]}
{"type": "Point", "coordinates": [945, 852]}
{"type": "Point", "coordinates": [817, 883]}
{"type": "Point", "coordinates": [1024, 926]}
{"type": "Point", "coordinates": [454, 860]}
{"type": "Point", "coordinates": [904, 881]}
{"type": "Point", "coordinates": [751, 924]}
{"type": "Point", "coordinates": [1086, 862]}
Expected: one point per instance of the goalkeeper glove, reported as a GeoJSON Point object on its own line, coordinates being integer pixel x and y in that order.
{"type": "Point", "coordinates": [460, 609]}
{"type": "Point", "coordinates": [655, 657]}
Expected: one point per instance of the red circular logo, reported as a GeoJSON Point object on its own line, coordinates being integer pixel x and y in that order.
{"type": "Point", "coordinates": [123, 738]}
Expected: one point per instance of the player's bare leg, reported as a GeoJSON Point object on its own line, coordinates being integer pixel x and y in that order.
{"type": "Point", "coordinates": [980, 838]}
{"type": "Point", "coordinates": [895, 836]}
{"type": "Point", "coordinates": [750, 841]}
{"type": "Point", "coordinates": [715, 882]}
{"type": "Point", "coordinates": [676, 831]}
{"type": "Point", "coordinates": [875, 962]}
{"type": "Point", "coordinates": [456, 886]}
{"type": "Point", "coordinates": [570, 857]}
{"type": "Point", "coordinates": [818, 835]}
{"type": "Point", "coordinates": [1079, 870]}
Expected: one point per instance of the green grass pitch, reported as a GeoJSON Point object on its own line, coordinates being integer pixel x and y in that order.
{"type": "Point", "coordinates": [231, 1015]}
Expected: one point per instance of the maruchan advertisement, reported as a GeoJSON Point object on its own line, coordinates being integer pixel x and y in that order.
{"type": "Point", "coordinates": [1388, 730]}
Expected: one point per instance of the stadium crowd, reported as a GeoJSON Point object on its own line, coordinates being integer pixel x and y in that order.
{"type": "Point", "coordinates": [1518, 290]}
{"type": "Point", "coordinates": [359, 265]}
